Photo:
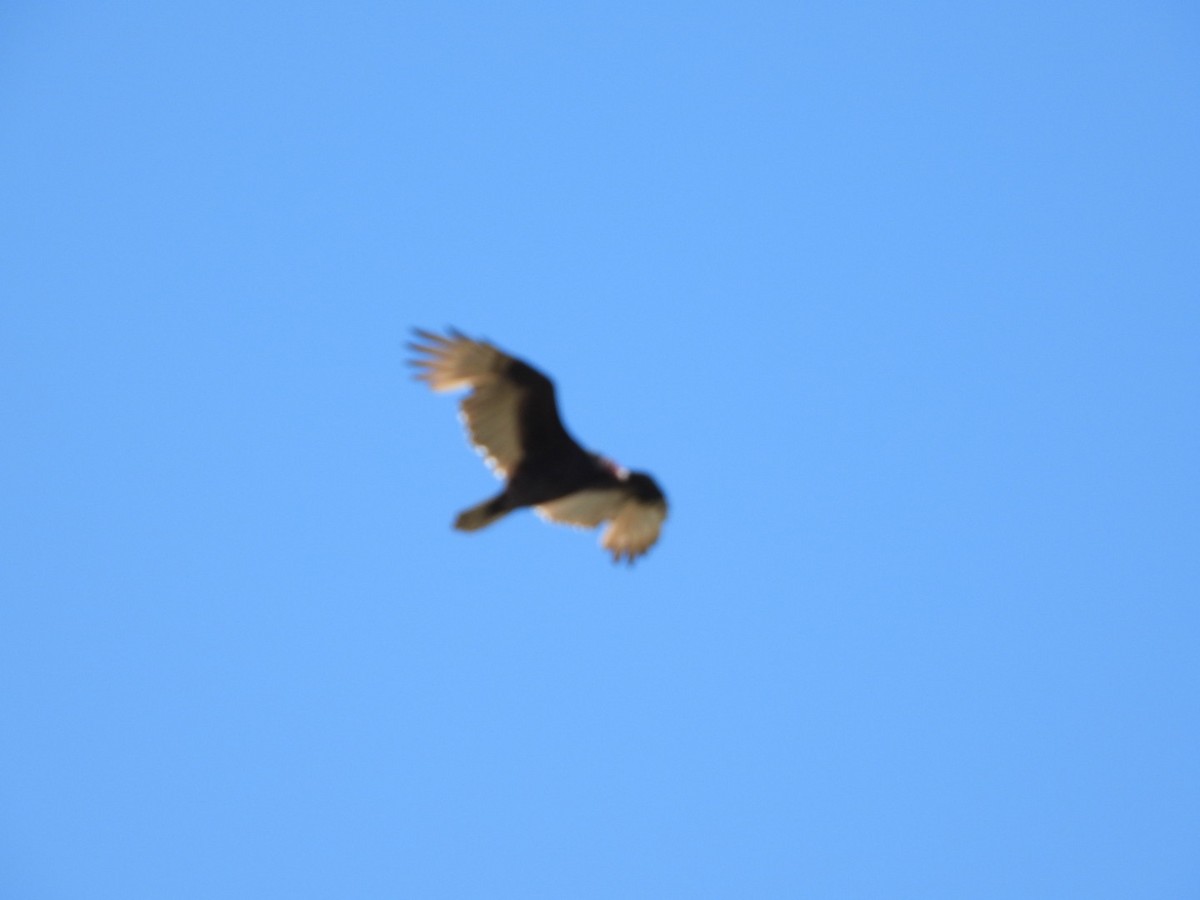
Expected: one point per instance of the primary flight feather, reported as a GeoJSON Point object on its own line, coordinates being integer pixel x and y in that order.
{"type": "Point", "coordinates": [512, 419]}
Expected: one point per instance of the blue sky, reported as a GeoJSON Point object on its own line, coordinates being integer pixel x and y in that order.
{"type": "Point", "coordinates": [898, 302]}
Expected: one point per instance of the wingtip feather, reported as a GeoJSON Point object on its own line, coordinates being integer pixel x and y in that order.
{"type": "Point", "coordinates": [430, 336]}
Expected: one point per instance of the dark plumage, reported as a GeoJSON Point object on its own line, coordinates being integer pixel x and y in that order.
{"type": "Point", "coordinates": [512, 419]}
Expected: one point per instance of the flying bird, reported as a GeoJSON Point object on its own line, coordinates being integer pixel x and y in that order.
{"type": "Point", "coordinates": [512, 419]}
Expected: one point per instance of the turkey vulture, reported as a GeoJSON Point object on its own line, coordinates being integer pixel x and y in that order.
{"type": "Point", "coordinates": [512, 420]}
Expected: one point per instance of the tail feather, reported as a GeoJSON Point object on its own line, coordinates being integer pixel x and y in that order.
{"type": "Point", "coordinates": [483, 514]}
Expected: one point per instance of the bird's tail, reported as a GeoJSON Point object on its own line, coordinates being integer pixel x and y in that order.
{"type": "Point", "coordinates": [483, 514]}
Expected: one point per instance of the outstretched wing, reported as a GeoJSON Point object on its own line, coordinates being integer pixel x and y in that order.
{"type": "Point", "coordinates": [511, 411]}
{"type": "Point", "coordinates": [635, 510]}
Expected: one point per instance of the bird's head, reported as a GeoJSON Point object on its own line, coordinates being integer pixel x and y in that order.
{"type": "Point", "coordinates": [612, 467]}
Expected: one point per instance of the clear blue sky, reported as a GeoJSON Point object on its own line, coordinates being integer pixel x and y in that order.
{"type": "Point", "coordinates": [900, 303]}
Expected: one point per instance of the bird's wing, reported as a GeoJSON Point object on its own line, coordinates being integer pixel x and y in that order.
{"type": "Point", "coordinates": [634, 521]}
{"type": "Point", "coordinates": [510, 412]}
{"type": "Point", "coordinates": [584, 509]}
{"type": "Point", "coordinates": [634, 529]}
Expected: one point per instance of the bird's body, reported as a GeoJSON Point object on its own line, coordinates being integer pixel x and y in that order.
{"type": "Point", "coordinates": [512, 418]}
